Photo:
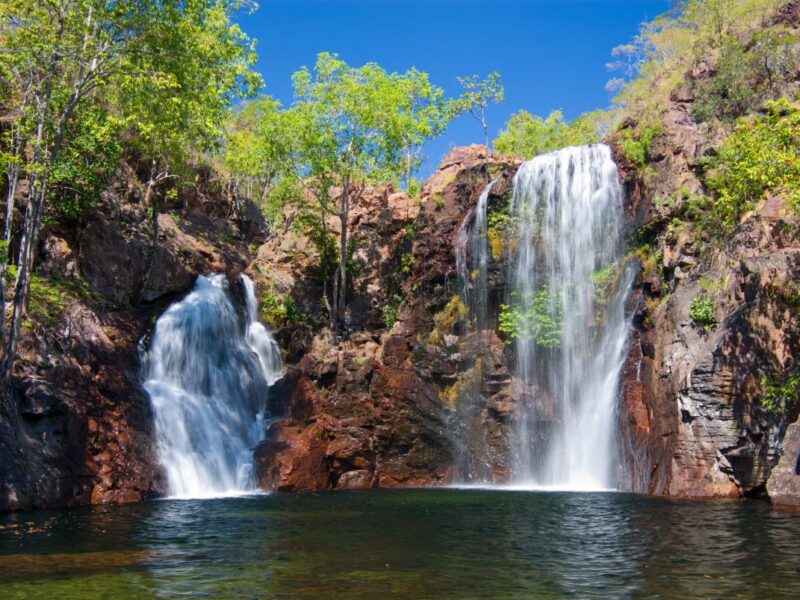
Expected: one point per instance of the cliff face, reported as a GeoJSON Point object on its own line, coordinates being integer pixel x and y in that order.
{"type": "Point", "coordinates": [80, 427]}
{"type": "Point", "coordinates": [692, 408]}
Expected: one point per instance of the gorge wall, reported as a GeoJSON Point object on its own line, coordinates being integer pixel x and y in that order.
{"type": "Point", "coordinates": [692, 394]}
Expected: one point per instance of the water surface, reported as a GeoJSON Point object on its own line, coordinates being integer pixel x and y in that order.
{"type": "Point", "coordinates": [417, 544]}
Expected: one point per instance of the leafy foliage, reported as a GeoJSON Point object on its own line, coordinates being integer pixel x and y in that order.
{"type": "Point", "coordinates": [528, 135]}
{"type": "Point", "coordinates": [782, 395]}
{"type": "Point", "coordinates": [478, 95]}
{"type": "Point", "coordinates": [701, 311]}
{"type": "Point", "coordinates": [347, 128]}
{"type": "Point", "coordinates": [742, 76]}
{"type": "Point", "coordinates": [760, 156]}
{"type": "Point", "coordinates": [636, 143]}
{"type": "Point", "coordinates": [87, 162]}
{"type": "Point", "coordinates": [604, 281]}
{"type": "Point", "coordinates": [390, 310]}
{"type": "Point", "coordinates": [537, 318]}
{"type": "Point", "coordinates": [278, 311]}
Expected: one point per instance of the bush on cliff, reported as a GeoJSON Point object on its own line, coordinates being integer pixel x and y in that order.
{"type": "Point", "coordinates": [761, 156]}
{"type": "Point", "coordinates": [743, 76]}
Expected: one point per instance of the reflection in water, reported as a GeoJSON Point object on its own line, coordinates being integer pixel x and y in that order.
{"type": "Point", "coordinates": [405, 544]}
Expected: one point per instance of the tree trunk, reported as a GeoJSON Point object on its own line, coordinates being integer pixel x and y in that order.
{"type": "Point", "coordinates": [32, 217]}
{"type": "Point", "coordinates": [34, 199]}
{"type": "Point", "coordinates": [13, 178]}
{"type": "Point", "coordinates": [340, 277]}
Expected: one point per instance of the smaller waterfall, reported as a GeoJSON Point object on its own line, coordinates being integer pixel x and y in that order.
{"type": "Point", "coordinates": [472, 242]}
{"type": "Point", "coordinates": [207, 375]}
{"type": "Point", "coordinates": [472, 267]}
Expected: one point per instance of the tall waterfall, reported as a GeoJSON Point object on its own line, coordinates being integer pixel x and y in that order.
{"type": "Point", "coordinates": [207, 375]}
{"type": "Point", "coordinates": [567, 294]}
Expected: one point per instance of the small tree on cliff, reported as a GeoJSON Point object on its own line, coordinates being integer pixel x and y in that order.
{"type": "Point", "coordinates": [478, 95]}
{"type": "Point", "coordinates": [350, 127]}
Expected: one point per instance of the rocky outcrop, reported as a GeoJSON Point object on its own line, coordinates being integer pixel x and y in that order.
{"type": "Point", "coordinates": [692, 416]}
{"type": "Point", "coordinates": [413, 392]}
{"type": "Point", "coordinates": [79, 429]}
{"type": "Point", "coordinates": [380, 407]}
{"type": "Point", "coordinates": [784, 481]}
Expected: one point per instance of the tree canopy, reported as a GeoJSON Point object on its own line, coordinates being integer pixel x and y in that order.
{"type": "Point", "coordinates": [78, 74]}
{"type": "Point", "coordinates": [527, 135]}
{"type": "Point", "coordinates": [348, 127]}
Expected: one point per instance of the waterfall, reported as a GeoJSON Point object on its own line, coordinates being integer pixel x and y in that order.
{"type": "Point", "coordinates": [207, 374]}
{"type": "Point", "coordinates": [567, 290]}
{"type": "Point", "coordinates": [472, 267]}
{"type": "Point", "coordinates": [472, 241]}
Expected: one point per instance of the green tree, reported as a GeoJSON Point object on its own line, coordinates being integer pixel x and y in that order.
{"type": "Point", "coordinates": [528, 135]}
{"type": "Point", "coordinates": [349, 127]}
{"type": "Point", "coordinates": [175, 91]}
{"type": "Point", "coordinates": [59, 54]}
{"type": "Point", "coordinates": [79, 70]}
{"type": "Point", "coordinates": [478, 95]}
{"type": "Point", "coordinates": [427, 115]}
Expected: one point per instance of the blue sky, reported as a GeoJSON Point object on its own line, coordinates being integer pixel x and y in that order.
{"type": "Point", "coordinates": [551, 53]}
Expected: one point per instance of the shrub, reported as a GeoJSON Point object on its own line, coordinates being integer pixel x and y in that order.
{"type": "Point", "coordinates": [413, 187]}
{"type": "Point", "coordinates": [731, 91]}
{"type": "Point", "coordinates": [783, 395]}
{"type": "Point", "coordinates": [537, 318]}
{"type": "Point", "coordinates": [277, 311]}
{"type": "Point", "coordinates": [390, 310]}
{"type": "Point", "coordinates": [701, 311]}
{"type": "Point", "coordinates": [636, 144]}
{"type": "Point", "coordinates": [745, 76]}
{"type": "Point", "coordinates": [760, 156]}
{"type": "Point", "coordinates": [651, 259]}
{"type": "Point", "coordinates": [406, 260]}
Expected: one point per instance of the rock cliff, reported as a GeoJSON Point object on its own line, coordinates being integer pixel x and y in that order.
{"type": "Point", "coordinates": [692, 409]}
{"type": "Point", "coordinates": [380, 406]}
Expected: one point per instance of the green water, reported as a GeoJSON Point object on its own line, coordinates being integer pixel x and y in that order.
{"type": "Point", "coordinates": [405, 544]}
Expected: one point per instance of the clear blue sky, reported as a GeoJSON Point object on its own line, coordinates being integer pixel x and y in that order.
{"type": "Point", "coordinates": [551, 53]}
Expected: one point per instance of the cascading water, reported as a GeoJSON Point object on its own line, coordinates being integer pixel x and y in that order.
{"type": "Point", "coordinates": [472, 267]}
{"type": "Point", "coordinates": [566, 299]}
{"type": "Point", "coordinates": [207, 375]}
{"type": "Point", "coordinates": [472, 241]}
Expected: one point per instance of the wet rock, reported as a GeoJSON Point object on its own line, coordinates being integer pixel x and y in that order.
{"type": "Point", "coordinates": [783, 485]}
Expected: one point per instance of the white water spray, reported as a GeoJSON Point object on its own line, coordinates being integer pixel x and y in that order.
{"type": "Point", "coordinates": [568, 288]}
{"type": "Point", "coordinates": [207, 375]}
